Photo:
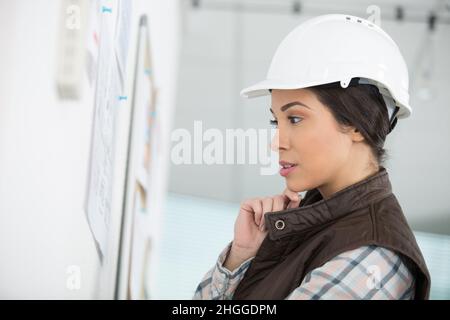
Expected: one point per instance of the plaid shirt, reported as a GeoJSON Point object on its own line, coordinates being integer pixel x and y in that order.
{"type": "Point", "coordinates": [368, 272]}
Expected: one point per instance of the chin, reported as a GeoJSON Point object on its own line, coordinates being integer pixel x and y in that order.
{"type": "Point", "coordinates": [296, 185]}
{"type": "Point", "coordinates": [300, 183]}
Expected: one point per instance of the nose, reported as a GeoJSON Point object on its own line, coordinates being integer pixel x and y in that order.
{"type": "Point", "coordinates": [280, 141]}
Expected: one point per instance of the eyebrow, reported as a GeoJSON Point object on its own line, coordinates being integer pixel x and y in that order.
{"type": "Point", "coordinates": [291, 104]}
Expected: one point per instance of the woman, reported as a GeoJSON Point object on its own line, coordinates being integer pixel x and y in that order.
{"type": "Point", "coordinates": [338, 84]}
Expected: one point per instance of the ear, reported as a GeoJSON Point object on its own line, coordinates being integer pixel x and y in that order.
{"type": "Point", "coordinates": [355, 135]}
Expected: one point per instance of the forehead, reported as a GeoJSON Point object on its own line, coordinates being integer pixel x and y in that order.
{"type": "Point", "coordinates": [279, 98]}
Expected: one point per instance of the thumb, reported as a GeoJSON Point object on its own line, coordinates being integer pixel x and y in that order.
{"type": "Point", "coordinates": [293, 197]}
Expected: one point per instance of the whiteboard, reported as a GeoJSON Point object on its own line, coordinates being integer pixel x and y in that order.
{"type": "Point", "coordinates": [135, 234]}
{"type": "Point", "coordinates": [123, 147]}
{"type": "Point", "coordinates": [108, 41]}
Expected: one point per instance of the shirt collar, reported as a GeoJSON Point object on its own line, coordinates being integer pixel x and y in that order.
{"type": "Point", "coordinates": [315, 211]}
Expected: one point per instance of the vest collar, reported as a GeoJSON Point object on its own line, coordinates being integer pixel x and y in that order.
{"type": "Point", "coordinates": [296, 220]}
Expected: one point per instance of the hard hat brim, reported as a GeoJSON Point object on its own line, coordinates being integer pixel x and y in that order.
{"type": "Point", "coordinates": [262, 89]}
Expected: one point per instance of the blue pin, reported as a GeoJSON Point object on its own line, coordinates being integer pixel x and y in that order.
{"type": "Point", "coordinates": [106, 9]}
{"type": "Point", "coordinates": [123, 98]}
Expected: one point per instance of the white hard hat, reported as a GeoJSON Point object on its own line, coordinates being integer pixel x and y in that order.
{"type": "Point", "coordinates": [339, 48]}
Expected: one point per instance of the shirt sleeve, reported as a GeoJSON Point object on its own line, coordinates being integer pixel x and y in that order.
{"type": "Point", "coordinates": [368, 272]}
{"type": "Point", "coordinates": [219, 283]}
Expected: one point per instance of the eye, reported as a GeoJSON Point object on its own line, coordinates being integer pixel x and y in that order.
{"type": "Point", "coordinates": [274, 123]}
{"type": "Point", "coordinates": [294, 120]}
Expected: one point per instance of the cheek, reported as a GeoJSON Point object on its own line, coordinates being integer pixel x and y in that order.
{"type": "Point", "coordinates": [321, 150]}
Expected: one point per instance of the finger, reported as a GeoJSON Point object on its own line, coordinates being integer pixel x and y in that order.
{"type": "Point", "coordinates": [294, 198]}
{"type": "Point", "coordinates": [267, 207]}
{"type": "Point", "coordinates": [294, 204]}
{"type": "Point", "coordinates": [287, 201]}
{"type": "Point", "coordinates": [267, 204]}
{"type": "Point", "coordinates": [292, 195]}
{"type": "Point", "coordinates": [257, 208]}
{"type": "Point", "coordinates": [279, 202]}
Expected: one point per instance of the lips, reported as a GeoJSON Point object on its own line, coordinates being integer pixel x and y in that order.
{"type": "Point", "coordinates": [286, 167]}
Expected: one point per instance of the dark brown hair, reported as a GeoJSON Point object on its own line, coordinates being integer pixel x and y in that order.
{"type": "Point", "coordinates": [359, 106]}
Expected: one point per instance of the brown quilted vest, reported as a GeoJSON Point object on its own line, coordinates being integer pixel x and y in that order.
{"type": "Point", "coordinates": [304, 238]}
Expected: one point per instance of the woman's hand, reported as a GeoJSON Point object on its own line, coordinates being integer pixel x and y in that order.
{"type": "Point", "coordinates": [249, 228]}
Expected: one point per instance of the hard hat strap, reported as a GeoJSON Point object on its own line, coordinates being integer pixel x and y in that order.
{"type": "Point", "coordinates": [388, 100]}
{"type": "Point", "coordinates": [393, 120]}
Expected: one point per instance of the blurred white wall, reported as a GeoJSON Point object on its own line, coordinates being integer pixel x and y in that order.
{"type": "Point", "coordinates": [44, 149]}
{"type": "Point", "coordinates": [228, 47]}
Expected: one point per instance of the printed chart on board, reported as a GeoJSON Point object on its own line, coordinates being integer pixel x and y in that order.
{"type": "Point", "coordinates": [107, 47]}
